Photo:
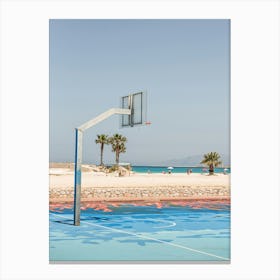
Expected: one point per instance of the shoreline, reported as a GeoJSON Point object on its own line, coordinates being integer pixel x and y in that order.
{"type": "Point", "coordinates": [141, 169]}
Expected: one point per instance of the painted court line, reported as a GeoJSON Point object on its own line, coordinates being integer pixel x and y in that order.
{"type": "Point", "coordinates": [148, 238]}
{"type": "Point", "coordinates": [171, 224]}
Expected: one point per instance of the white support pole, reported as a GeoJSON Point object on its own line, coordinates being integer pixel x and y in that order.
{"type": "Point", "coordinates": [104, 116]}
{"type": "Point", "coordinates": [78, 175]}
{"type": "Point", "coordinates": [78, 156]}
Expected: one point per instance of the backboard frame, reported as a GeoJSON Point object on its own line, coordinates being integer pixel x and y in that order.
{"type": "Point", "coordinates": [137, 103]}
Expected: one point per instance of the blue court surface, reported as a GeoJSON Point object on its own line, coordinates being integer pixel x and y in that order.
{"type": "Point", "coordinates": [142, 233]}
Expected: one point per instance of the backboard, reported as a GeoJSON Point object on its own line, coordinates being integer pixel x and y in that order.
{"type": "Point", "coordinates": [137, 103]}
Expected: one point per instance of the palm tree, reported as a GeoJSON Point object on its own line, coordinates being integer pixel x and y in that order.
{"type": "Point", "coordinates": [102, 140]}
{"type": "Point", "coordinates": [118, 145]}
{"type": "Point", "coordinates": [212, 160]}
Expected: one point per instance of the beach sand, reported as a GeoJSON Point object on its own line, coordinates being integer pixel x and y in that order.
{"type": "Point", "coordinates": [137, 186]}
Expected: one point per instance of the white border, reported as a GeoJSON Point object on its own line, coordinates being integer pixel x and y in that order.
{"type": "Point", "coordinates": [254, 142]}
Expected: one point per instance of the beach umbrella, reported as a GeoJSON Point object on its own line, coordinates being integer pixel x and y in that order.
{"type": "Point", "coordinates": [170, 167]}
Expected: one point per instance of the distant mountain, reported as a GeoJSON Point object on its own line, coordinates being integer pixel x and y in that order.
{"type": "Point", "coordinates": [192, 161]}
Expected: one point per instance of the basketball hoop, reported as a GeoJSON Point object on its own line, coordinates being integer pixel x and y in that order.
{"type": "Point", "coordinates": [132, 113]}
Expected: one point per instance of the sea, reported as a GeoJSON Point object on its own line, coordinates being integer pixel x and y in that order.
{"type": "Point", "coordinates": [181, 169]}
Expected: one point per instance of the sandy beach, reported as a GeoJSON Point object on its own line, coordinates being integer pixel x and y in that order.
{"type": "Point", "coordinates": [99, 186]}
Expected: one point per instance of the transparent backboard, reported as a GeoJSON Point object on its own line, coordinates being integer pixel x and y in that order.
{"type": "Point", "coordinates": [137, 102]}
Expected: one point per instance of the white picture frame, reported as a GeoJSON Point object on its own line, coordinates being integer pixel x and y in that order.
{"type": "Point", "coordinates": [254, 137]}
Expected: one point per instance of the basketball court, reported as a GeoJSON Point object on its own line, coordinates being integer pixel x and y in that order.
{"type": "Point", "coordinates": [146, 233]}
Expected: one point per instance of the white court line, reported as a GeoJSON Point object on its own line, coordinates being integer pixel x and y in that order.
{"type": "Point", "coordinates": [150, 238]}
{"type": "Point", "coordinates": [172, 224]}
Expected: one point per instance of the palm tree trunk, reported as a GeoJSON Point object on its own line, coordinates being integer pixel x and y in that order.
{"type": "Point", "coordinates": [117, 157]}
{"type": "Point", "coordinates": [211, 169]}
{"type": "Point", "coordinates": [101, 156]}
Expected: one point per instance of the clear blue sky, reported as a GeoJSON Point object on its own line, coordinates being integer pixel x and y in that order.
{"type": "Point", "coordinates": [184, 65]}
